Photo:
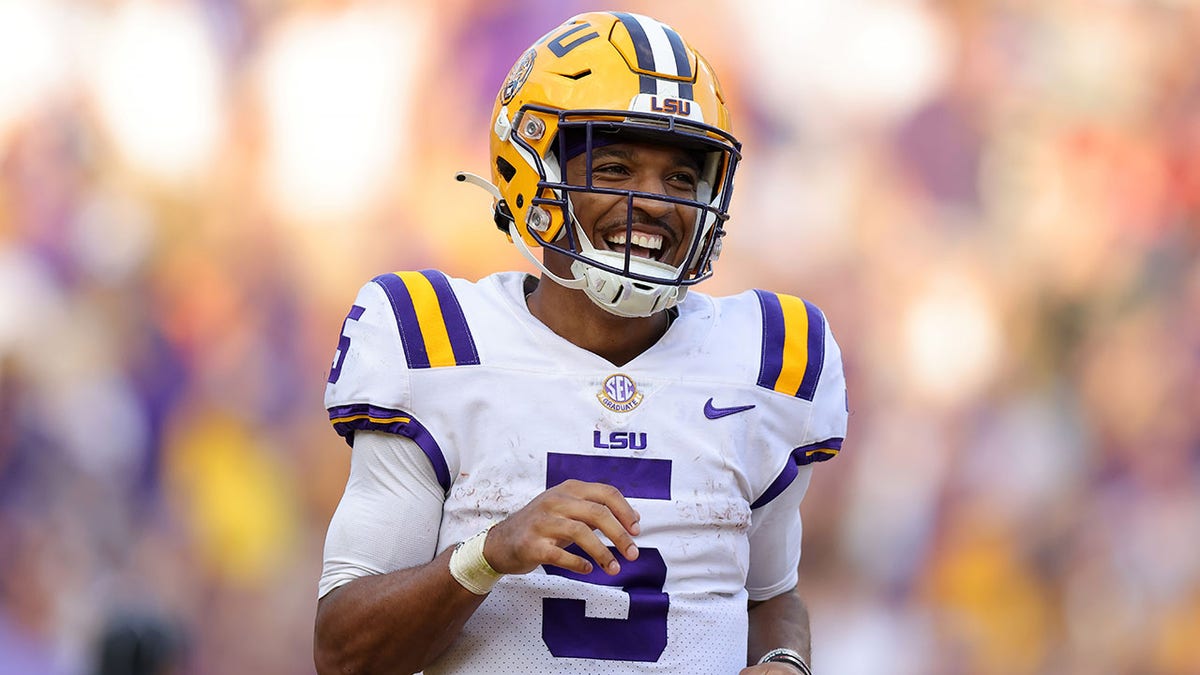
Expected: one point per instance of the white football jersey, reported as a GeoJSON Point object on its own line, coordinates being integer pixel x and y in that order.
{"type": "Point", "coordinates": [698, 432]}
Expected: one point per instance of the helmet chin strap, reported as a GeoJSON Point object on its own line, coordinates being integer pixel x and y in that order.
{"type": "Point", "coordinates": [479, 182]}
{"type": "Point", "coordinates": [619, 294]}
{"type": "Point", "coordinates": [486, 185]}
{"type": "Point", "coordinates": [611, 292]}
{"type": "Point", "coordinates": [576, 282]}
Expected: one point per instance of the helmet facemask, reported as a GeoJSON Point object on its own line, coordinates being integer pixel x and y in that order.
{"type": "Point", "coordinates": [619, 281]}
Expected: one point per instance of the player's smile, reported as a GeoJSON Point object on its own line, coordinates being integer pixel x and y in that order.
{"type": "Point", "coordinates": [649, 169]}
{"type": "Point", "coordinates": [647, 241]}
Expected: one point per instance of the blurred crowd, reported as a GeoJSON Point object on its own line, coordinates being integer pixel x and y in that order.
{"type": "Point", "coordinates": [996, 203]}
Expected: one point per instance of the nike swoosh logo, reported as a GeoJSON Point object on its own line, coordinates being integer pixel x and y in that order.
{"type": "Point", "coordinates": [712, 412]}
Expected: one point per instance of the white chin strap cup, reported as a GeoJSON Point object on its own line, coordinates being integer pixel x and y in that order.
{"type": "Point", "coordinates": [623, 296]}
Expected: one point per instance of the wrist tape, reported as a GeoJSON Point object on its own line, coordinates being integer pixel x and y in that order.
{"type": "Point", "coordinates": [470, 569]}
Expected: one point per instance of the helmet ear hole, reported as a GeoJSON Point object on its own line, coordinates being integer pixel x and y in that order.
{"type": "Point", "coordinates": [505, 169]}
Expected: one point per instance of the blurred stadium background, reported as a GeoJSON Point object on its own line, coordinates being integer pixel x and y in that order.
{"type": "Point", "coordinates": [996, 202]}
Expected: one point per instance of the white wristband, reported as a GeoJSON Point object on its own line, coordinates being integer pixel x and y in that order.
{"type": "Point", "coordinates": [470, 568]}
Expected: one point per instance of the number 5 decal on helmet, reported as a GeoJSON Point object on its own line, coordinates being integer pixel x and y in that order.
{"type": "Point", "coordinates": [560, 50]}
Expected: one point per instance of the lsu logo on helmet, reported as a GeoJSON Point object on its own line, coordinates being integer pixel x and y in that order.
{"type": "Point", "coordinates": [517, 76]}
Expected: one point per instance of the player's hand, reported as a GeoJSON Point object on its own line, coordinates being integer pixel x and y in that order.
{"type": "Point", "coordinates": [568, 513]}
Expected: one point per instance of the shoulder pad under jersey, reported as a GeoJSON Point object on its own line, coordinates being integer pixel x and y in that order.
{"type": "Point", "coordinates": [399, 323]}
{"type": "Point", "coordinates": [801, 359]}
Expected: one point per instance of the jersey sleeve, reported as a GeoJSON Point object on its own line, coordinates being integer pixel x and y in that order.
{"type": "Point", "coordinates": [831, 409]}
{"type": "Point", "coordinates": [805, 413]}
{"type": "Point", "coordinates": [775, 538]}
{"type": "Point", "coordinates": [388, 516]}
{"type": "Point", "coordinates": [399, 324]}
{"type": "Point", "coordinates": [368, 386]}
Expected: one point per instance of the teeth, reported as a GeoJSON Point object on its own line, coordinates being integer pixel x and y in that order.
{"type": "Point", "coordinates": [641, 239]}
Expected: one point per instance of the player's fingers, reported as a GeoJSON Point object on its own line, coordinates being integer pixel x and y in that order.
{"type": "Point", "coordinates": [585, 538]}
{"type": "Point", "coordinates": [611, 497]}
{"type": "Point", "coordinates": [567, 560]}
{"type": "Point", "coordinates": [599, 517]}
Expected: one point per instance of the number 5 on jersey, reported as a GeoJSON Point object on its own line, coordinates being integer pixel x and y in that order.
{"type": "Point", "coordinates": [566, 629]}
{"type": "Point", "coordinates": [344, 344]}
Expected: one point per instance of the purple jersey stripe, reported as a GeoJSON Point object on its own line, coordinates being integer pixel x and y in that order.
{"type": "Point", "coordinates": [781, 482]}
{"type": "Point", "coordinates": [817, 452]}
{"type": "Point", "coordinates": [406, 320]}
{"type": "Point", "coordinates": [347, 419]}
{"type": "Point", "coordinates": [465, 353]}
{"type": "Point", "coordinates": [635, 477]}
{"type": "Point", "coordinates": [816, 352]}
{"type": "Point", "coordinates": [772, 343]}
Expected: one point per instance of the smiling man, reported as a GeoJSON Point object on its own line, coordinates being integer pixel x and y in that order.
{"type": "Point", "coordinates": [593, 470]}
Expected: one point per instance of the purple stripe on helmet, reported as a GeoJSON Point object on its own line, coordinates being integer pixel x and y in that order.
{"type": "Point", "coordinates": [802, 454]}
{"type": "Point", "coordinates": [682, 65]}
{"type": "Point", "coordinates": [636, 477]}
{"type": "Point", "coordinates": [777, 486]}
{"type": "Point", "coordinates": [406, 320]}
{"type": "Point", "coordinates": [816, 352]}
{"type": "Point", "coordinates": [461, 342]}
{"type": "Point", "coordinates": [364, 416]}
{"type": "Point", "coordinates": [641, 46]}
{"type": "Point", "coordinates": [772, 343]}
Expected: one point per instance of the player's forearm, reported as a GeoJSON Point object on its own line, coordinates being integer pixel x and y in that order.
{"type": "Point", "coordinates": [781, 621]}
{"type": "Point", "coordinates": [391, 623]}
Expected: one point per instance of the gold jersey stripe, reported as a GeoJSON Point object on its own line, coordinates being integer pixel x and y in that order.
{"type": "Point", "coordinates": [429, 318]}
{"type": "Point", "coordinates": [795, 345]}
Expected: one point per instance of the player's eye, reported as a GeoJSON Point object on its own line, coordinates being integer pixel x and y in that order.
{"type": "Point", "coordinates": [611, 168]}
{"type": "Point", "coordinates": [683, 178]}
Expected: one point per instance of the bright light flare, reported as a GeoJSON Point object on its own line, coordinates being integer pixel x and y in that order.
{"type": "Point", "coordinates": [336, 96]}
{"type": "Point", "coordinates": [158, 83]}
{"type": "Point", "coordinates": [952, 338]}
{"type": "Point", "coordinates": [846, 57]}
{"type": "Point", "coordinates": [34, 61]}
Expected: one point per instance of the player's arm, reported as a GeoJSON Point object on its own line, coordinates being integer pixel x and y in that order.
{"type": "Point", "coordinates": [778, 618]}
{"type": "Point", "coordinates": [376, 620]}
{"type": "Point", "coordinates": [781, 621]}
{"type": "Point", "coordinates": [396, 622]}
{"type": "Point", "coordinates": [388, 519]}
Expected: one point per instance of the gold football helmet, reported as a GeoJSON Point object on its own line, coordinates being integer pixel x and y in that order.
{"type": "Point", "coordinates": [597, 78]}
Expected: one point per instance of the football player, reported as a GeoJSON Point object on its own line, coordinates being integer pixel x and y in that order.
{"type": "Point", "coordinates": [594, 469]}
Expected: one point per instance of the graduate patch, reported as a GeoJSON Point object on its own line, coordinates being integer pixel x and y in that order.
{"type": "Point", "coordinates": [619, 393]}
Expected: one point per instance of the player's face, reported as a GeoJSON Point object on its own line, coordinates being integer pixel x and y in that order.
{"type": "Point", "coordinates": [662, 230]}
